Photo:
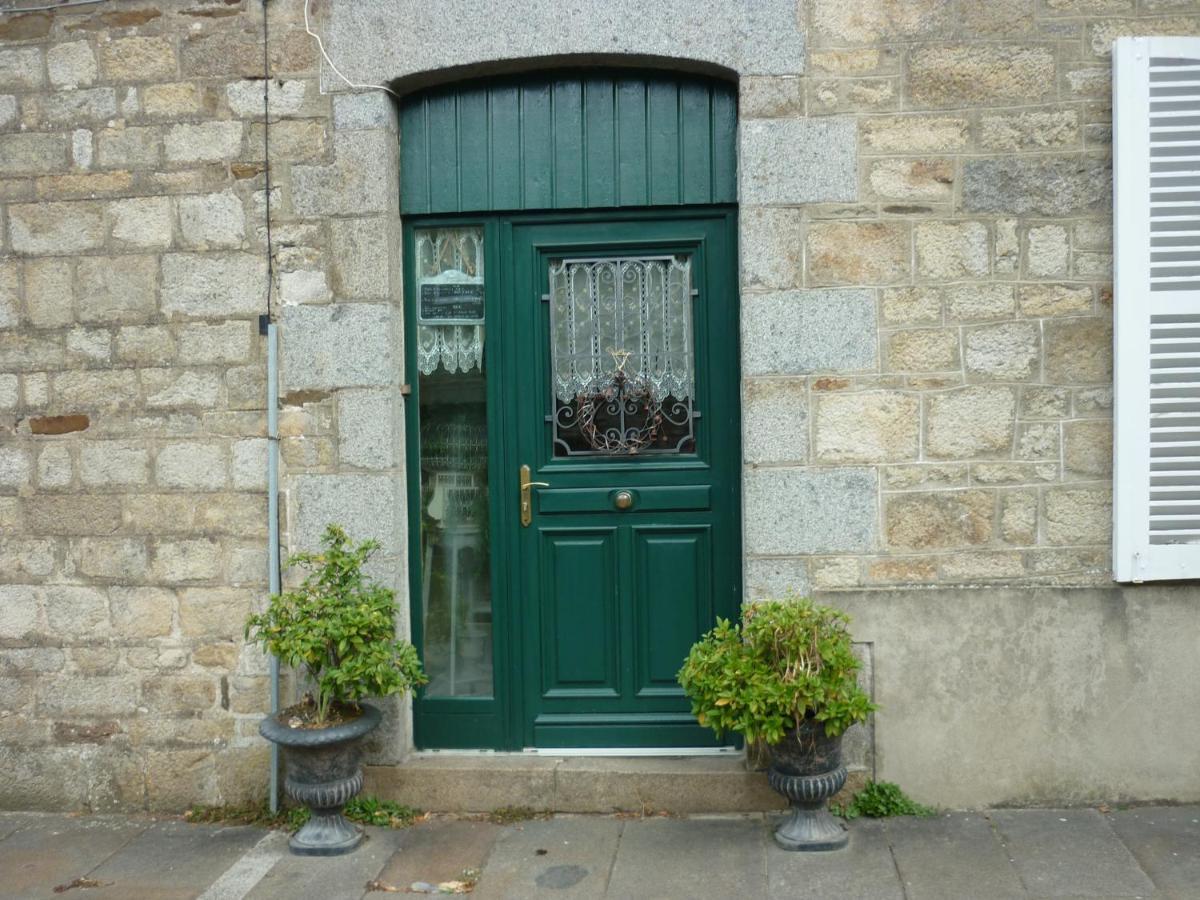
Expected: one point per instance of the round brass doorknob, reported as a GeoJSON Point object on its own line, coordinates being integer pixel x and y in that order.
{"type": "Point", "coordinates": [623, 500]}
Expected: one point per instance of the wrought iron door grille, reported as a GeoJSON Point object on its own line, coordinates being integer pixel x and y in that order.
{"type": "Point", "coordinates": [622, 363]}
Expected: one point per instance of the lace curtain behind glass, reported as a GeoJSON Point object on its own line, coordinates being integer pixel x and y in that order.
{"type": "Point", "coordinates": [449, 256]}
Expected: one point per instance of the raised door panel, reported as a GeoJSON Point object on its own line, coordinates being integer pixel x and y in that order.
{"type": "Point", "coordinates": [672, 602]}
{"type": "Point", "coordinates": [580, 645]}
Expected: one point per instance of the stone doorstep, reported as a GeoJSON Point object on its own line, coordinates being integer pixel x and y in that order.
{"type": "Point", "coordinates": [474, 783]}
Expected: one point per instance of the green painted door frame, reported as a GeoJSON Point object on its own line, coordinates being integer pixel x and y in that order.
{"type": "Point", "coordinates": [592, 608]}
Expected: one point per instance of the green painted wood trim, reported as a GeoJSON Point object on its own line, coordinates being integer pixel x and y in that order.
{"type": "Point", "coordinates": [569, 141]}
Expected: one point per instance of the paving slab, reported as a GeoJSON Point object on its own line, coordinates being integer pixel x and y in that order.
{"type": "Point", "coordinates": [329, 877]}
{"type": "Point", "coordinates": [439, 850]}
{"type": "Point", "coordinates": [864, 870]}
{"type": "Point", "coordinates": [55, 850]}
{"type": "Point", "coordinates": [236, 881]}
{"type": "Point", "coordinates": [951, 856]}
{"type": "Point", "coordinates": [14, 821]}
{"type": "Point", "coordinates": [1165, 840]}
{"type": "Point", "coordinates": [693, 858]}
{"type": "Point", "coordinates": [569, 857]}
{"type": "Point", "coordinates": [1069, 853]}
{"type": "Point", "coordinates": [171, 861]}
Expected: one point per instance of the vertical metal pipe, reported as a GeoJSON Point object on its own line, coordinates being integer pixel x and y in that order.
{"type": "Point", "coordinates": [273, 525]}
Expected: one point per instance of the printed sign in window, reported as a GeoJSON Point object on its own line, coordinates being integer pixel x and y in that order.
{"type": "Point", "coordinates": [451, 304]}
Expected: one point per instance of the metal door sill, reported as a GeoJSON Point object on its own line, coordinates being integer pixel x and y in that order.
{"type": "Point", "coordinates": [631, 752]}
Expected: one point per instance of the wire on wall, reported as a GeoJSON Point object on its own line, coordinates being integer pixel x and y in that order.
{"type": "Point", "coordinates": [333, 66]}
{"type": "Point", "coordinates": [267, 153]}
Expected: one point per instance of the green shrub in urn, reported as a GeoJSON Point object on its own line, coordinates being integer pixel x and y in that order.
{"type": "Point", "coordinates": [785, 675]}
{"type": "Point", "coordinates": [338, 626]}
{"type": "Point", "coordinates": [787, 661]}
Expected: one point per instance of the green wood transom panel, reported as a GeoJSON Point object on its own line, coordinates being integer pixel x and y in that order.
{"type": "Point", "coordinates": [579, 141]}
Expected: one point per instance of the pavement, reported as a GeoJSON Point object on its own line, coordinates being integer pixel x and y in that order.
{"type": "Point", "coordinates": [1147, 852]}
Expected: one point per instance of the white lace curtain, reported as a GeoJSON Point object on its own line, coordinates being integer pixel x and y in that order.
{"type": "Point", "coordinates": [628, 313]}
{"type": "Point", "coordinates": [449, 256]}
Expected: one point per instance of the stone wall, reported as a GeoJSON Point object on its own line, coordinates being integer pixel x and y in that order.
{"type": "Point", "coordinates": [133, 270]}
{"type": "Point", "coordinates": [927, 361]}
{"type": "Point", "coordinates": [926, 313]}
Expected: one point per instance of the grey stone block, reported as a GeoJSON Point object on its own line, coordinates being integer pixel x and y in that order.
{"type": "Point", "coordinates": [356, 182]}
{"type": "Point", "coordinates": [366, 436]}
{"type": "Point", "coordinates": [365, 505]}
{"type": "Point", "coordinates": [772, 247]}
{"type": "Point", "coordinates": [1038, 185]}
{"type": "Point", "coordinates": [343, 345]}
{"type": "Point", "coordinates": [776, 578]}
{"type": "Point", "coordinates": [774, 42]}
{"type": "Point", "coordinates": [361, 258]}
{"type": "Point", "coordinates": [799, 332]}
{"type": "Point", "coordinates": [775, 420]}
{"type": "Point", "coordinates": [207, 286]}
{"type": "Point", "coordinates": [787, 161]}
{"type": "Point", "coordinates": [369, 109]}
{"type": "Point", "coordinates": [1069, 853]}
{"type": "Point", "coordinates": [797, 511]}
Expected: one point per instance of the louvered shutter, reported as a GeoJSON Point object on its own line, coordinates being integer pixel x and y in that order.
{"type": "Point", "coordinates": [1156, 481]}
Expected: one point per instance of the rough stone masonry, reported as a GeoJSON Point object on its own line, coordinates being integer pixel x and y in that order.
{"type": "Point", "coordinates": [925, 242]}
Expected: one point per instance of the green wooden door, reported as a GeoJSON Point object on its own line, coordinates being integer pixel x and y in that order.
{"type": "Point", "coordinates": [623, 400]}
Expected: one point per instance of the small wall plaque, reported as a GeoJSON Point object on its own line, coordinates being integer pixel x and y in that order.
{"type": "Point", "coordinates": [451, 304]}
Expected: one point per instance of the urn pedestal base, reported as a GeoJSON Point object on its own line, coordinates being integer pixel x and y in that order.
{"type": "Point", "coordinates": [327, 833]}
{"type": "Point", "coordinates": [809, 826]}
{"type": "Point", "coordinates": [324, 771]}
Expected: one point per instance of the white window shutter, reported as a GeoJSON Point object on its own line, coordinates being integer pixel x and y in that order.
{"type": "Point", "coordinates": [1156, 480]}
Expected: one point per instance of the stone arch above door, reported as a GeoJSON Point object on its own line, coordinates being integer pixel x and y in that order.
{"type": "Point", "coordinates": [410, 44]}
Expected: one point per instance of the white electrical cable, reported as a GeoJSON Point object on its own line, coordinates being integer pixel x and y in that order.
{"type": "Point", "coordinates": [25, 9]}
{"type": "Point", "coordinates": [333, 66]}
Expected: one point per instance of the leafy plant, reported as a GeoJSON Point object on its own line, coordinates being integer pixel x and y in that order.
{"type": "Point", "coordinates": [366, 809]}
{"type": "Point", "coordinates": [371, 810]}
{"type": "Point", "coordinates": [880, 799]}
{"type": "Point", "coordinates": [339, 626]}
{"type": "Point", "coordinates": [510, 815]}
{"type": "Point", "coordinates": [787, 661]}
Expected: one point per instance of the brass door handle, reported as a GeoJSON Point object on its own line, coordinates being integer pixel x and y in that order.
{"type": "Point", "coordinates": [526, 500]}
{"type": "Point", "coordinates": [623, 500]}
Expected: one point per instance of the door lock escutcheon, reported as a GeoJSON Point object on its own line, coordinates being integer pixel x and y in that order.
{"type": "Point", "coordinates": [526, 499]}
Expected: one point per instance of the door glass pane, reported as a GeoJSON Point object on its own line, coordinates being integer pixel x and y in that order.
{"type": "Point", "coordinates": [622, 366]}
{"type": "Point", "coordinates": [455, 554]}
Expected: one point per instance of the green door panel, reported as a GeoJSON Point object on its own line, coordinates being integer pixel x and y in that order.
{"type": "Point", "coordinates": [580, 624]}
{"type": "Point", "coordinates": [569, 141]}
{"type": "Point", "coordinates": [672, 602]}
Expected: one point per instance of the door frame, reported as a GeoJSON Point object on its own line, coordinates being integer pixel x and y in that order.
{"type": "Point", "coordinates": [498, 723]}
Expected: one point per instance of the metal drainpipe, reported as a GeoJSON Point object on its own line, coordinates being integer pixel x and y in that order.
{"type": "Point", "coordinates": [273, 525]}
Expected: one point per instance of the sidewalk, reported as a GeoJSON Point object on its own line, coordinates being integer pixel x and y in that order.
{"type": "Point", "coordinates": [1151, 852]}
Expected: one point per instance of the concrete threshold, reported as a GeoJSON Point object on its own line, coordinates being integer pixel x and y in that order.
{"type": "Point", "coordinates": [474, 783]}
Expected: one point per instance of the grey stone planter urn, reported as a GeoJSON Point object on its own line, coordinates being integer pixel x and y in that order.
{"type": "Point", "coordinates": [806, 768]}
{"type": "Point", "coordinates": [324, 770]}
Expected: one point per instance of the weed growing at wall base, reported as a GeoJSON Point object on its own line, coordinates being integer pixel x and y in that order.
{"type": "Point", "coordinates": [880, 799]}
